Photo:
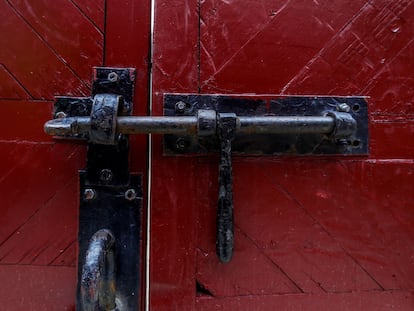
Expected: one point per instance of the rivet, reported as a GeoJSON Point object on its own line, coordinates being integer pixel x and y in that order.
{"type": "Point", "coordinates": [89, 194]}
{"type": "Point", "coordinates": [105, 175]}
{"type": "Point", "coordinates": [180, 143]}
{"type": "Point", "coordinates": [180, 106]}
{"type": "Point", "coordinates": [130, 194]}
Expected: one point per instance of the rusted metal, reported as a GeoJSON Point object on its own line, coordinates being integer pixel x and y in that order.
{"type": "Point", "coordinates": [103, 118]}
{"type": "Point", "coordinates": [227, 124]}
{"type": "Point", "coordinates": [98, 288]}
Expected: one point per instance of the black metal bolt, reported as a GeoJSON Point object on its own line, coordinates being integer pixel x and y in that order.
{"type": "Point", "coordinates": [180, 106]}
{"type": "Point", "coordinates": [180, 144]}
{"type": "Point", "coordinates": [113, 77]}
{"type": "Point", "coordinates": [130, 194]}
{"type": "Point", "coordinates": [105, 175]}
{"type": "Point", "coordinates": [89, 194]}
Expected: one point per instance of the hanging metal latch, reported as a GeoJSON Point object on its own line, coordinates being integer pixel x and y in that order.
{"type": "Point", "coordinates": [252, 125]}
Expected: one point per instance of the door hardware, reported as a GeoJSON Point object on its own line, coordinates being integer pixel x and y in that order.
{"type": "Point", "coordinates": [227, 124]}
{"type": "Point", "coordinates": [110, 197]}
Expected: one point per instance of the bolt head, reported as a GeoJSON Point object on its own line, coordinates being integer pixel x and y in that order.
{"type": "Point", "coordinates": [130, 194]}
{"type": "Point", "coordinates": [89, 194]}
{"type": "Point", "coordinates": [113, 77]}
{"type": "Point", "coordinates": [105, 175]}
{"type": "Point", "coordinates": [343, 107]}
{"type": "Point", "coordinates": [61, 115]}
{"type": "Point", "coordinates": [180, 144]}
{"type": "Point", "coordinates": [180, 106]}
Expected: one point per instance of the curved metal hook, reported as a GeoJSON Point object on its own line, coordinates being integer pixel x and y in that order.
{"type": "Point", "coordinates": [98, 274]}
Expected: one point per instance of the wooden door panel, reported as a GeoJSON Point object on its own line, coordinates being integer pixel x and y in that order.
{"type": "Point", "coordinates": [48, 48]}
{"type": "Point", "coordinates": [43, 54]}
{"type": "Point", "coordinates": [173, 207]}
{"type": "Point", "coordinates": [377, 300]}
{"type": "Point", "coordinates": [313, 233]}
{"type": "Point", "coordinates": [268, 43]}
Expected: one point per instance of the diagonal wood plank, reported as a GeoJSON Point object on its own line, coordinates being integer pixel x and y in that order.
{"type": "Point", "coordinates": [295, 32]}
{"type": "Point", "coordinates": [46, 72]}
{"type": "Point", "coordinates": [364, 48]}
{"type": "Point", "coordinates": [10, 87]}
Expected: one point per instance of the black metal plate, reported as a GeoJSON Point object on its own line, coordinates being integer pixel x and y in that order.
{"type": "Point", "coordinates": [256, 105]}
{"type": "Point", "coordinates": [110, 210]}
{"type": "Point", "coordinates": [123, 86]}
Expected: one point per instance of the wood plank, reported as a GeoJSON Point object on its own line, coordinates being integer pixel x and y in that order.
{"type": "Point", "coordinates": [372, 300]}
{"type": "Point", "coordinates": [29, 188]}
{"type": "Point", "coordinates": [38, 288]}
{"type": "Point", "coordinates": [93, 10]}
{"type": "Point", "coordinates": [24, 120]}
{"type": "Point", "coordinates": [43, 73]}
{"type": "Point", "coordinates": [364, 49]}
{"type": "Point", "coordinates": [79, 46]}
{"type": "Point", "coordinates": [260, 49]}
{"type": "Point", "coordinates": [10, 87]}
{"type": "Point", "coordinates": [173, 210]}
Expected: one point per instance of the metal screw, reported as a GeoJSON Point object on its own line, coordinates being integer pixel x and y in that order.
{"type": "Point", "coordinates": [113, 77]}
{"type": "Point", "coordinates": [89, 194]}
{"type": "Point", "coordinates": [60, 115]}
{"type": "Point", "coordinates": [180, 143]}
{"type": "Point", "coordinates": [130, 194]}
{"type": "Point", "coordinates": [343, 107]}
{"type": "Point", "coordinates": [180, 106]}
{"type": "Point", "coordinates": [105, 175]}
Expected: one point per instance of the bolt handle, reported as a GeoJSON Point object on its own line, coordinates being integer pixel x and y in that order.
{"type": "Point", "coordinates": [227, 123]}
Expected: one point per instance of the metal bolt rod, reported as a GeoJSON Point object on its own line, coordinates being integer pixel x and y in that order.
{"type": "Point", "coordinates": [188, 125]}
{"type": "Point", "coordinates": [286, 125]}
{"type": "Point", "coordinates": [157, 125]}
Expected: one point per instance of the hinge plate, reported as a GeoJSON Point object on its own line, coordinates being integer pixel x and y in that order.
{"type": "Point", "coordinates": [269, 144]}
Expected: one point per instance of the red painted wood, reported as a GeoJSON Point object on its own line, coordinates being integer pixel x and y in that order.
{"type": "Point", "coordinates": [127, 45]}
{"type": "Point", "coordinates": [376, 300]}
{"type": "Point", "coordinates": [39, 201]}
{"type": "Point", "coordinates": [37, 288]}
{"type": "Point", "coordinates": [320, 233]}
{"type": "Point", "coordinates": [10, 87]}
{"type": "Point", "coordinates": [25, 120]}
{"type": "Point", "coordinates": [45, 72]}
{"type": "Point", "coordinates": [93, 11]}
{"type": "Point", "coordinates": [49, 49]}
{"type": "Point", "coordinates": [79, 46]}
{"type": "Point", "coordinates": [174, 208]}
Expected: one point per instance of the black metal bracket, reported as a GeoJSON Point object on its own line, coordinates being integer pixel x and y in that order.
{"type": "Point", "coordinates": [110, 205]}
{"type": "Point", "coordinates": [254, 143]}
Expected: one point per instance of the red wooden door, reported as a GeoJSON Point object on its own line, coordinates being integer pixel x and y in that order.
{"type": "Point", "coordinates": [48, 48]}
{"type": "Point", "coordinates": [311, 233]}
{"type": "Point", "coordinates": [327, 233]}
